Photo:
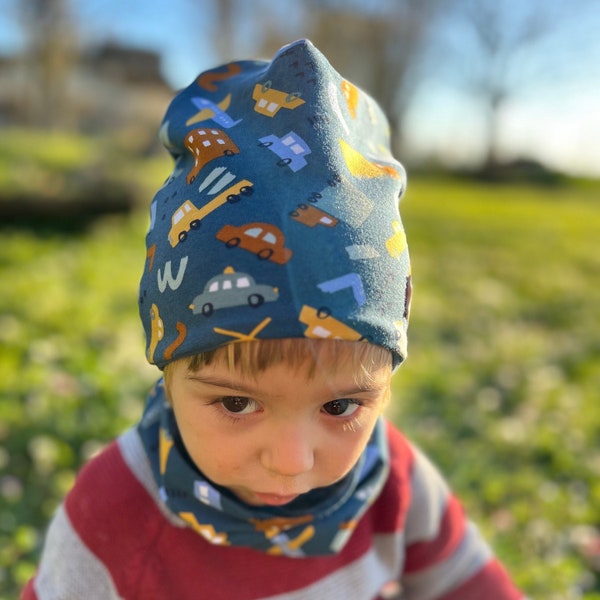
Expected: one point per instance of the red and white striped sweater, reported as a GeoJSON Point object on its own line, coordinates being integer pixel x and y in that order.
{"type": "Point", "coordinates": [113, 538]}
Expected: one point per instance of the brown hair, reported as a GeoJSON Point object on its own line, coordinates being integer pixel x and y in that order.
{"type": "Point", "coordinates": [256, 356]}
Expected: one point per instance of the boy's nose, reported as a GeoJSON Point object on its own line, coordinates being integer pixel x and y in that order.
{"type": "Point", "coordinates": [288, 452]}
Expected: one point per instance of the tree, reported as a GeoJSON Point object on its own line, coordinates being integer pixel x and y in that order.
{"type": "Point", "coordinates": [374, 44]}
{"type": "Point", "coordinates": [495, 51]}
{"type": "Point", "coordinates": [51, 52]}
{"type": "Point", "coordinates": [377, 45]}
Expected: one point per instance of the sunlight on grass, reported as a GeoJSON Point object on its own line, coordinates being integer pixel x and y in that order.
{"type": "Point", "coordinates": [500, 387]}
{"type": "Point", "coordinates": [501, 383]}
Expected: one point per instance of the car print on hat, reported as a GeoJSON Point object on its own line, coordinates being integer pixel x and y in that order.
{"type": "Point", "coordinates": [264, 240]}
{"type": "Point", "coordinates": [291, 149]}
{"type": "Point", "coordinates": [311, 215]}
{"type": "Point", "coordinates": [321, 325]}
{"type": "Point", "coordinates": [232, 289]}
{"type": "Point", "coordinates": [207, 144]}
{"type": "Point", "coordinates": [188, 217]}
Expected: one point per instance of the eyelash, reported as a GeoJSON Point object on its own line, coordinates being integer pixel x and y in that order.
{"type": "Point", "coordinates": [231, 416]}
{"type": "Point", "coordinates": [349, 422]}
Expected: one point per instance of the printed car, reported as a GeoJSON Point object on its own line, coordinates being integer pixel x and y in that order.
{"type": "Point", "coordinates": [337, 203]}
{"type": "Point", "coordinates": [188, 216]}
{"type": "Point", "coordinates": [310, 215]}
{"type": "Point", "coordinates": [232, 289]}
{"type": "Point", "coordinates": [263, 239]}
{"type": "Point", "coordinates": [206, 144]}
{"type": "Point", "coordinates": [269, 101]}
{"type": "Point", "coordinates": [290, 148]}
{"type": "Point", "coordinates": [323, 326]}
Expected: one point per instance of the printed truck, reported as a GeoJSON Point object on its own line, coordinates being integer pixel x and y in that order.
{"type": "Point", "coordinates": [270, 101]}
{"type": "Point", "coordinates": [188, 217]}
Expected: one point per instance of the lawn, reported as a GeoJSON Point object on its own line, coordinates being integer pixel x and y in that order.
{"type": "Point", "coordinates": [500, 387]}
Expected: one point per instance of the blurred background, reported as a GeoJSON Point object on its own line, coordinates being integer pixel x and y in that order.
{"type": "Point", "coordinates": [494, 106]}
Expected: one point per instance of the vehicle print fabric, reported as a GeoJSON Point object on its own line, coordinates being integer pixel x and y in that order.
{"type": "Point", "coordinates": [284, 183]}
{"type": "Point", "coordinates": [315, 524]}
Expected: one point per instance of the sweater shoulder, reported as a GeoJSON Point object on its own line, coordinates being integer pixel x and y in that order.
{"type": "Point", "coordinates": [390, 510]}
{"type": "Point", "coordinates": [105, 483]}
{"type": "Point", "coordinates": [113, 512]}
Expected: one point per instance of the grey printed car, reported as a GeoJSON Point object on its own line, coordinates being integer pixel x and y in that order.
{"type": "Point", "coordinates": [232, 289]}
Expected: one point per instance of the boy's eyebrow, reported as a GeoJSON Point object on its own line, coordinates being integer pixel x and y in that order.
{"type": "Point", "coordinates": [362, 387]}
{"type": "Point", "coordinates": [223, 382]}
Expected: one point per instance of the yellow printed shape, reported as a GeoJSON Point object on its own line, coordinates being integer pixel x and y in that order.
{"type": "Point", "coordinates": [206, 531]}
{"type": "Point", "coordinates": [396, 243]}
{"type": "Point", "coordinates": [321, 325]}
{"type": "Point", "coordinates": [350, 92]}
{"type": "Point", "coordinates": [274, 526]}
{"type": "Point", "coordinates": [157, 331]}
{"type": "Point", "coordinates": [360, 166]}
{"type": "Point", "coordinates": [269, 101]}
{"type": "Point", "coordinates": [306, 534]}
{"type": "Point", "coordinates": [244, 337]}
{"type": "Point", "coordinates": [349, 525]}
{"type": "Point", "coordinates": [209, 113]}
{"type": "Point", "coordinates": [165, 443]}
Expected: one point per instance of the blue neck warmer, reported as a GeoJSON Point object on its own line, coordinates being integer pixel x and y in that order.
{"type": "Point", "coordinates": [317, 523]}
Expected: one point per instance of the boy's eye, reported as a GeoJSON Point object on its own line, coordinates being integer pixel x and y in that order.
{"type": "Point", "coordinates": [341, 408]}
{"type": "Point", "coordinates": [238, 405]}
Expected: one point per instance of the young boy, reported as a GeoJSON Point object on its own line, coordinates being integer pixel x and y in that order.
{"type": "Point", "coordinates": [275, 297]}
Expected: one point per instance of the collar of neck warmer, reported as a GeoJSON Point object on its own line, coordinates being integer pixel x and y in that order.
{"type": "Point", "coordinates": [317, 523]}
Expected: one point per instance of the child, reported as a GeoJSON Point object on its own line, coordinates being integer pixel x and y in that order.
{"type": "Point", "coordinates": [275, 297]}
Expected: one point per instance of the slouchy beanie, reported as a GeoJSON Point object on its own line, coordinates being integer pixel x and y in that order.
{"type": "Point", "coordinates": [280, 218]}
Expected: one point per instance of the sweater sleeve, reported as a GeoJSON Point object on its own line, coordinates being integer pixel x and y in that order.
{"type": "Point", "coordinates": [67, 568]}
{"type": "Point", "coordinates": [100, 530]}
{"type": "Point", "coordinates": [446, 557]}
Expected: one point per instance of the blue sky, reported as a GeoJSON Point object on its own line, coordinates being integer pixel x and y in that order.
{"type": "Point", "coordinates": [557, 121]}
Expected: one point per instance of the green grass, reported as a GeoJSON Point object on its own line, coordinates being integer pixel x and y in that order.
{"type": "Point", "coordinates": [46, 165]}
{"type": "Point", "coordinates": [501, 384]}
{"type": "Point", "coordinates": [500, 387]}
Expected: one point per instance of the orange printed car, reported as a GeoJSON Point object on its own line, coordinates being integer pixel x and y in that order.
{"type": "Point", "coordinates": [206, 144]}
{"type": "Point", "coordinates": [310, 215]}
{"type": "Point", "coordinates": [263, 239]}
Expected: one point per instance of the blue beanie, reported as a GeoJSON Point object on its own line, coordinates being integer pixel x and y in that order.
{"type": "Point", "coordinates": [280, 219]}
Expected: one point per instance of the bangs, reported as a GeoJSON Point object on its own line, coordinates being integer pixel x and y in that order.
{"type": "Point", "coordinates": [299, 353]}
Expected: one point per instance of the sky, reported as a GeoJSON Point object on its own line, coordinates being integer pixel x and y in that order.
{"type": "Point", "coordinates": [557, 122]}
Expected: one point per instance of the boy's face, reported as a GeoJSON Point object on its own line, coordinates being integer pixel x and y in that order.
{"type": "Point", "coordinates": [280, 433]}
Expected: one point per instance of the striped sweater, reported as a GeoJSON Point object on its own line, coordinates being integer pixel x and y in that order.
{"type": "Point", "coordinates": [112, 538]}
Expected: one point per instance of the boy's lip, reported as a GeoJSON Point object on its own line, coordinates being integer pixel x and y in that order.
{"type": "Point", "coordinates": [274, 499]}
